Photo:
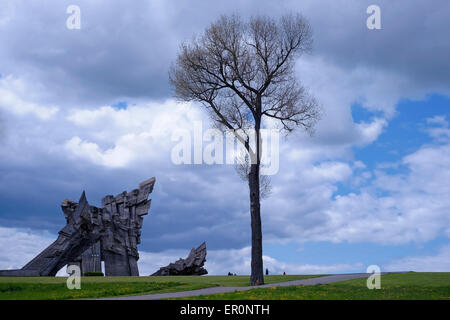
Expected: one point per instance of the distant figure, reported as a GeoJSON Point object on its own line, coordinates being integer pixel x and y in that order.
{"type": "Point", "coordinates": [230, 274]}
{"type": "Point", "coordinates": [284, 273]}
{"type": "Point", "coordinates": [235, 274]}
{"type": "Point", "coordinates": [267, 272]}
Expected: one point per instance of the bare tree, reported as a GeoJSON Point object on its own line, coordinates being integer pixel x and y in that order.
{"type": "Point", "coordinates": [243, 72]}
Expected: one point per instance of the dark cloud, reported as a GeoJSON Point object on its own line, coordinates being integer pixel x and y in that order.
{"type": "Point", "coordinates": [192, 207]}
{"type": "Point", "coordinates": [412, 41]}
{"type": "Point", "coordinates": [124, 50]}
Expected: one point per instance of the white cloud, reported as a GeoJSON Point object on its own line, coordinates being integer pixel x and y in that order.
{"type": "Point", "coordinates": [140, 132]}
{"type": "Point", "coordinates": [439, 120]}
{"type": "Point", "coordinates": [238, 261]}
{"type": "Point", "coordinates": [369, 132]}
{"type": "Point", "coordinates": [158, 117]}
{"type": "Point", "coordinates": [89, 117]}
{"type": "Point", "coordinates": [410, 204]}
{"type": "Point", "coordinates": [331, 171]}
{"type": "Point", "coordinates": [359, 165]}
{"type": "Point", "coordinates": [11, 92]}
{"type": "Point", "coordinates": [427, 263]}
{"type": "Point", "coordinates": [397, 208]}
{"type": "Point", "coordinates": [18, 247]}
{"type": "Point", "coordinates": [441, 130]}
{"type": "Point", "coordinates": [127, 148]}
{"type": "Point", "coordinates": [338, 87]}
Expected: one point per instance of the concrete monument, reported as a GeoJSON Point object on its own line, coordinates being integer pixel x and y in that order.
{"type": "Point", "coordinates": [191, 266]}
{"type": "Point", "coordinates": [92, 235]}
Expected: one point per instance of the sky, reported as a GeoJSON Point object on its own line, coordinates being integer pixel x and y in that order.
{"type": "Point", "coordinates": [92, 109]}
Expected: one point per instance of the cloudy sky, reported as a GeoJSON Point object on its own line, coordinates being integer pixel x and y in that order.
{"type": "Point", "coordinates": [92, 109]}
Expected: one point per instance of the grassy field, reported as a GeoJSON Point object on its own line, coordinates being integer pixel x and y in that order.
{"type": "Point", "coordinates": [393, 286]}
{"type": "Point", "coordinates": [31, 288]}
{"type": "Point", "coordinates": [406, 286]}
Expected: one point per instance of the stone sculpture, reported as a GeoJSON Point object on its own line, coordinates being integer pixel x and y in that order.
{"type": "Point", "coordinates": [91, 235]}
{"type": "Point", "coordinates": [192, 265]}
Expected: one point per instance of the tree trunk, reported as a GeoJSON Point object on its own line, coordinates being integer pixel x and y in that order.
{"type": "Point", "coordinates": [257, 277]}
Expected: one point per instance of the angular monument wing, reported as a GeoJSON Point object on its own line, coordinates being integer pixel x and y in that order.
{"type": "Point", "coordinates": [192, 265]}
{"type": "Point", "coordinates": [92, 235]}
{"type": "Point", "coordinates": [145, 188]}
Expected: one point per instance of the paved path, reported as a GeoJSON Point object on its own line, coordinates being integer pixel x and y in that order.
{"type": "Point", "coordinates": [215, 290]}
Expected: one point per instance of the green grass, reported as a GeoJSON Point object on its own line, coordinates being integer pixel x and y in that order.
{"type": "Point", "coordinates": [51, 291]}
{"type": "Point", "coordinates": [393, 286]}
{"type": "Point", "coordinates": [405, 286]}
{"type": "Point", "coordinates": [44, 288]}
